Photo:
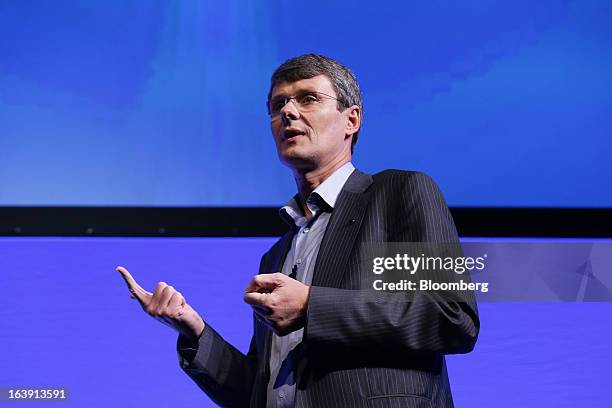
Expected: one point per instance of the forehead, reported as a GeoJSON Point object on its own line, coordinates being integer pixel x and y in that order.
{"type": "Point", "coordinates": [320, 83]}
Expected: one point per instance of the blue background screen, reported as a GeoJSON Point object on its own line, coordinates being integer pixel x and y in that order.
{"type": "Point", "coordinates": [163, 103]}
{"type": "Point", "coordinates": [67, 320]}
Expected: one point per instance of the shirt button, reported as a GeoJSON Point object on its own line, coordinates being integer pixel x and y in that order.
{"type": "Point", "coordinates": [306, 230]}
{"type": "Point", "coordinates": [281, 394]}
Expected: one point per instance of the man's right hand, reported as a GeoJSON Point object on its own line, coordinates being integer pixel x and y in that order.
{"type": "Point", "coordinates": [166, 305]}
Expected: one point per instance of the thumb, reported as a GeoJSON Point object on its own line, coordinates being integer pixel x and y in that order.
{"type": "Point", "coordinates": [136, 291]}
{"type": "Point", "coordinates": [263, 283]}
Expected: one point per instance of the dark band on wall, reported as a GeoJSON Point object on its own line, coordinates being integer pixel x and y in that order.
{"type": "Point", "coordinates": [265, 222]}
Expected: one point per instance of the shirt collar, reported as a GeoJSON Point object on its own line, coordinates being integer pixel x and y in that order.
{"type": "Point", "coordinates": [323, 197]}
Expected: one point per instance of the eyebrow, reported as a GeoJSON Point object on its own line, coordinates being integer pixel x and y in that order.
{"type": "Point", "coordinates": [283, 95]}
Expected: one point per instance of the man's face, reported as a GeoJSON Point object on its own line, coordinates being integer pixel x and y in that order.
{"type": "Point", "coordinates": [314, 137]}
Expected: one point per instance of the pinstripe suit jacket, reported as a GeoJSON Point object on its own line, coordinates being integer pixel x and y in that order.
{"type": "Point", "coordinates": [359, 353]}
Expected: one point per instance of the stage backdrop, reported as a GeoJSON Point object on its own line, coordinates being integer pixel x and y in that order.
{"type": "Point", "coordinates": [162, 103]}
{"type": "Point", "coordinates": [67, 320]}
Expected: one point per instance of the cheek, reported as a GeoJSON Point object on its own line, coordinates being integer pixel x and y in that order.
{"type": "Point", "coordinates": [320, 127]}
{"type": "Point", "coordinates": [331, 129]}
{"type": "Point", "coordinates": [275, 130]}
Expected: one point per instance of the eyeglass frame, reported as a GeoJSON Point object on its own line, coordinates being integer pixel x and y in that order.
{"type": "Point", "coordinates": [286, 100]}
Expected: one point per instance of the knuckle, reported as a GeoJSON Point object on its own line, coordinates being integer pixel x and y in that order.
{"type": "Point", "coordinates": [273, 301]}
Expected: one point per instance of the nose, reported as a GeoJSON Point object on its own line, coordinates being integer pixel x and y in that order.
{"type": "Point", "coordinates": [289, 111]}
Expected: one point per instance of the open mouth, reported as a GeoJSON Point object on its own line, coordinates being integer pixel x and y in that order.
{"type": "Point", "coordinates": [290, 133]}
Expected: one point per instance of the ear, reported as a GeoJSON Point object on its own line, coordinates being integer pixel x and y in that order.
{"type": "Point", "coordinates": [353, 120]}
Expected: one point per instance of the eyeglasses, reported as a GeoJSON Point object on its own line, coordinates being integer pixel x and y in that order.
{"type": "Point", "coordinates": [306, 101]}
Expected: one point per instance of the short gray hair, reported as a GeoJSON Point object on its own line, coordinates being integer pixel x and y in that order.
{"type": "Point", "coordinates": [307, 66]}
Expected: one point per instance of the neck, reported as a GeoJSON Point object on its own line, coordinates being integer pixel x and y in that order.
{"type": "Point", "coordinates": [308, 180]}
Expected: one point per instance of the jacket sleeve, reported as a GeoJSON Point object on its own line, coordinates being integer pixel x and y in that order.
{"type": "Point", "coordinates": [373, 325]}
{"type": "Point", "coordinates": [224, 373]}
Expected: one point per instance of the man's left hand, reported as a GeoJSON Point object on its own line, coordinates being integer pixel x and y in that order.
{"type": "Point", "coordinates": [279, 301]}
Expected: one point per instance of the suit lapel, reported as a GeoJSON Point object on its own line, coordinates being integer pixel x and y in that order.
{"type": "Point", "coordinates": [278, 253]}
{"type": "Point", "coordinates": [342, 230]}
{"type": "Point", "coordinates": [332, 258]}
{"type": "Point", "coordinates": [273, 262]}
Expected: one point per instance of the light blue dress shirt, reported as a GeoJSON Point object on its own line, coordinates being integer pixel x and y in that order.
{"type": "Point", "coordinates": [287, 358]}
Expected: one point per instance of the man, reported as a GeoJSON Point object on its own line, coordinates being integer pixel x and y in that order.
{"type": "Point", "coordinates": [318, 341]}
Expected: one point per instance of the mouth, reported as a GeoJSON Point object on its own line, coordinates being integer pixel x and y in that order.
{"type": "Point", "coordinates": [291, 132]}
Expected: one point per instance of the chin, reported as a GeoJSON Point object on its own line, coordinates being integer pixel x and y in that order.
{"type": "Point", "coordinates": [295, 157]}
